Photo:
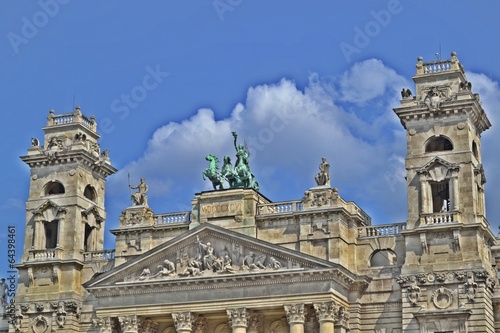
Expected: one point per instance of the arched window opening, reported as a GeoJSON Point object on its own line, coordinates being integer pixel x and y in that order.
{"type": "Point", "coordinates": [88, 244]}
{"type": "Point", "coordinates": [438, 144]}
{"type": "Point", "coordinates": [53, 188]}
{"type": "Point", "coordinates": [440, 196]}
{"type": "Point", "coordinates": [89, 193]}
{"type": "Point", "coordinates": [474, 150]}
{"type": "Point", "coordinates": [383, 258]}
{"type": "Point", "coordinates": [51, 229]}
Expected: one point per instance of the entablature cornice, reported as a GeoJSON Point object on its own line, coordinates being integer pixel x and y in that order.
{"type": "Point", "coordinates": [346, 280]}
{"type": "Point", "coordinates": [79, 157]}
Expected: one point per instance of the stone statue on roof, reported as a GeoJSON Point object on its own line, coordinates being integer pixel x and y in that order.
{"type": "Point", "coordinates": [239, 176]}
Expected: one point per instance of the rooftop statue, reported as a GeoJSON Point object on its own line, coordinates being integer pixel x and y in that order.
{"type": "Point", "coordinates": [140, 198]}
{"type": "Point", "coordinates": [323, 176]}
{"type": "Point", "coordinates": [238, 177]}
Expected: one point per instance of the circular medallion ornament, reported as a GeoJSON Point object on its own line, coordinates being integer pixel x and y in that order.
{"type": "Point", "coordinates": [34, 177]}
{"type": "Point", "coordinates": [412, 131]}
{"type": "Point", "coordinates": [442, 298]}
{"type": "Point", "coordinates": [72, 172]}
{"type": "Point", "coordinates": [431, 277]}
{"type": "Point", "coordinates": [461, 126]}
{"type": "Point", "coordinates": [40, 324]}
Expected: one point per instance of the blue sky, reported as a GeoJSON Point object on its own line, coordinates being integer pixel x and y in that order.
{"type": "Point", "coordinates": [169, 80]}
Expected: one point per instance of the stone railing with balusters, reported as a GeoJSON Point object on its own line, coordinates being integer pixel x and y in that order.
{"type": "Point", "coordinates": [93, 256]}
{"type": "Point", "coordinates": [173, 218]}
{"type": "Point", "coordinates": [45, 254]}
{"type": "Point", "coordinates": [440, 218]}
{"type": "Point", "coordinates": [280, 207]}
{"type": "Point", "coordinates": [382, 230]}
{"type": "Point", "coordinates": [69, 118]}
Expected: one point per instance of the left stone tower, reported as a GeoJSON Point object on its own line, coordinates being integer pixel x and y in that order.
{"type": "Point", "coordinates": [64, 224]}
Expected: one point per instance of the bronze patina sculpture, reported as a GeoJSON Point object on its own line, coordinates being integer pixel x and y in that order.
{"type": "Point", "coordinates": [238, 177]}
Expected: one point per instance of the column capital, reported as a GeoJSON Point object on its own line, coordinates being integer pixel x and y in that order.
{"type": "Point", "coordinates": [295, 313]}
{"type": "Point", "coordinates": [128, 324]}
{"type": "Point", "coordinates": [326, 312]}
{"type": "Point", "coordinates": [343, 317]}
{"type": "Point", "coordinates": [183, 321]}
{"type": "Point", "coordinates": [105, 324]}
{"type": "Point", "coordinates": [237, 317]}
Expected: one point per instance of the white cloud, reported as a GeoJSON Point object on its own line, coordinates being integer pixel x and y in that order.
{"type": "Point", "coordinates": [287, 131]}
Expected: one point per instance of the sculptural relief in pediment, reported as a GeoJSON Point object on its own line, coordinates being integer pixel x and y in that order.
{"type": "Point", "coordinates": [213, 255]}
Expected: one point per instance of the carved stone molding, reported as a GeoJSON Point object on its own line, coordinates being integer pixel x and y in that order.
{"type": "Point", "coordinates": [413, 293]}
{"type": "Point", "coordinates": [237, 317]}
{"type": "Point", "coordinates": [105, 324]}
{"type": "Point", "coordinates": [470, 288]}
{"type": "Point", "coordinates": [183, 321]}
{"type": "Point", "coordinates": [326, 311]}
{"type": "Point", "coordinates": [295, 313]}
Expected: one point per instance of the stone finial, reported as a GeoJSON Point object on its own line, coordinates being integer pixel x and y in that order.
{"type": "Point", "coordinates": [50, 118]}
{"type": "Point", "coordinates": [420, 65]}
{"type": "Point", "coordinates": [454, 61]}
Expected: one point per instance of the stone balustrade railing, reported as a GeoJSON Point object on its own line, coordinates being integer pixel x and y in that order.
{"type": "Point", "coordinates": [382, 230]}
{"type": "Point", "coordinates": [280, 207]}
{"type": "Point", "coordinates": [437, 66]}
{"type": "Point", "coordinates": [439, 218]}
{"type": "Point", "coordinates": [104, 255]}
{"type": "Point", "coordinates": [45, 254]}
{"type": "Point", "coordinates": [172, 218]}
{"type": "Point", "coordinates": [69, 118]}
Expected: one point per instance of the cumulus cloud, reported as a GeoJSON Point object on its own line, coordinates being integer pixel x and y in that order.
{"type": "Point", "coordinates": [287, 130]}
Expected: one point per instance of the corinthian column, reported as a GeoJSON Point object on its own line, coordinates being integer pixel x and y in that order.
{"type": "Point", "coordinates": [326, 313]}
{"type": "Point", "coordinates": [238, 319]}
{"type": "Point", "coordinates": [295, 316]}
{"type": "Point", "coordinates": [183, 321]}
{"type": "Point", "coordinates": [128, 324]}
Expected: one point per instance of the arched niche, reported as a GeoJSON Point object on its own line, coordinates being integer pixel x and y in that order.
{"type": "Point", "coordinates": [438, 143]}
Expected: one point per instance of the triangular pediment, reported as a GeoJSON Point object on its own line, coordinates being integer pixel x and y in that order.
{"type": "Point", "coordinates": [438, 169]}
{"type": "Point", "coordinates": [209, 252]}
{"type": "Point", "coordinates": [91, 216]}
{"type": "Point", "coordinates": [48, 211]}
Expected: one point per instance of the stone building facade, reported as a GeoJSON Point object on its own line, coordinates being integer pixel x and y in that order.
{"type": "Point", "coordinates": [237, 262]}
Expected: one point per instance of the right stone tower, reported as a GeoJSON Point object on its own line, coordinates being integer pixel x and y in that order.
{"type": "Point", "coordinates": [447, 280]}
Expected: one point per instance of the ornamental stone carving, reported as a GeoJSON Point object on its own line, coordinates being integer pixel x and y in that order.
{"type": "Point", "coordinates": [200, 325]}
{"type": "Point", "coordinates": [470, 288]}
{"type": "Point", "coordinates": [442, 298]}
{"type": "Point", "coordinates": [148, 326]}
{"type": "Point", "coordinates": [295, 313]}
{"type": "Point", "coordinates": [326, 311]}
{"type": "Point", "coordinates": [255, 321]}
{"type": "Point", "coordinates": [183, 321]}
{"type": "Point", "coordinates": [237, 317]}
{"type": "Point", "coordinates": [129, 324]}
{"type": "Point", "coordinates": [105, 324]}
{"type": "Point", "coordinates": [413, 292]}
{"type": "Point", "coordinates": [343, 317]}
{"type": "Point", "coordinates": [40, 324]}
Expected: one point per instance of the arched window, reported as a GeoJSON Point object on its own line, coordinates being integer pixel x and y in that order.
{"type": "Point", "coordinates": [385, 257]}
{"type": "Point", "coordinates": [438, 144]}
{"type": "Point", "coordinates": [474, 149]}
{"type": "Point", "coordinates": [54, 187]}
{"type": "Point", "coordinates": [89, 192]}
